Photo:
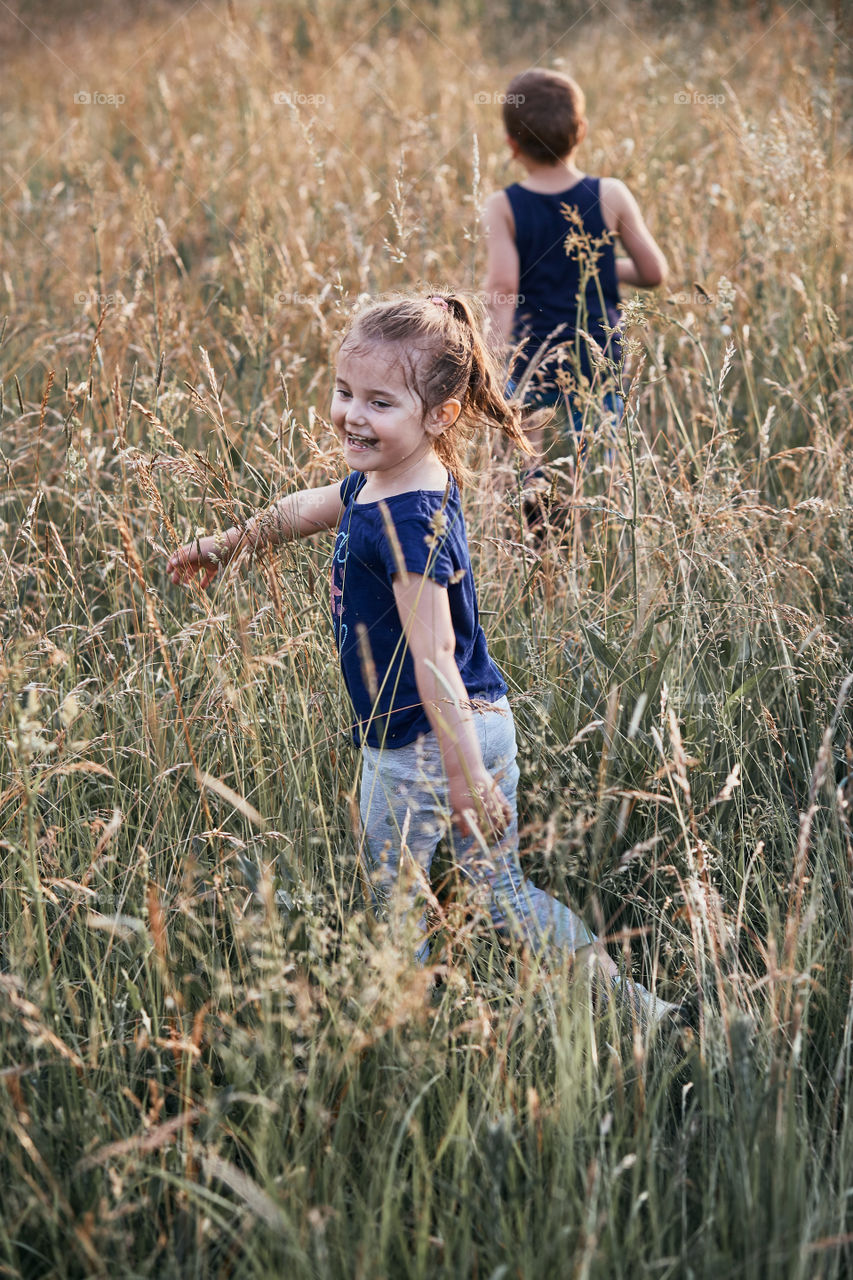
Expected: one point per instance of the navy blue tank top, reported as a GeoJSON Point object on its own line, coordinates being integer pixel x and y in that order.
{"type": "Point", "coordinates": [551, 309]}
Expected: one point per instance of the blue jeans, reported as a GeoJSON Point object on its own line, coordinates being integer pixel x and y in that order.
{"type": "Point", "coordinates": [607, 419]}
{"type": "Point", "coordinates": [603, 421]}
{"type": "Point", "coordinates": [405, 813]}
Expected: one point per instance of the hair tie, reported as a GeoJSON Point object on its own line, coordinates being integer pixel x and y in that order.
{"type": "Point", "coordinates": [440, 302]}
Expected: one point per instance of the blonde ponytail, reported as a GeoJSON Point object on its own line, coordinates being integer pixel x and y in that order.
{"type": "Point", "coordinates": [445, 357]}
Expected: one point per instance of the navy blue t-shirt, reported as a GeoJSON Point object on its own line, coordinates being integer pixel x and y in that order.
{"type": "Point", "coordinates": [552, 305]}
{"type": "Point", "coordinates": [377, 667]}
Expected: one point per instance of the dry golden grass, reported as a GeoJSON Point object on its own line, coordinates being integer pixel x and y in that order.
{"type": "Point", "coordinates": [212, 1062]}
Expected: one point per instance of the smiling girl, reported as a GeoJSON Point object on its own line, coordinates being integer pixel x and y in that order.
{"type": "Point", "coordinates": [413, 379]}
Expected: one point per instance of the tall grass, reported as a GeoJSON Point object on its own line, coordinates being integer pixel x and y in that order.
{"type": "Point", "coordinates": [212, 1061]}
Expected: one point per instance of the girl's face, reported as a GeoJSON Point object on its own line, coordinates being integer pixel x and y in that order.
{"type": "Point", "coordinates": [379, 420]}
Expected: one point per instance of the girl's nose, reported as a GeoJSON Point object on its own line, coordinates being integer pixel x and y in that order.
{"type": "Point", "coordinates": [355, 411]}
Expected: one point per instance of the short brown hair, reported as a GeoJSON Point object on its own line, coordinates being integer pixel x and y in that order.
{"type": "Point", "coordinates": [542, 112]}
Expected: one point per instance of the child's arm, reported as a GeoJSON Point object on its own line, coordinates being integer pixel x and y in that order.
{"type": "Point", "coordinates": [502, 269]}
{"type": "Point", "coordinates": [296, 516]}
{"type": "Point", "coordinates": [645, 266]}
{"type": "Point", "coordinates": [424, 612]}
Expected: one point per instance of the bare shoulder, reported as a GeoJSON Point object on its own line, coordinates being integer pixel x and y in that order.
{"type": "Point", "coordinates": [616, 201]}
{"type": "Point", "coordinates": [497, 212]}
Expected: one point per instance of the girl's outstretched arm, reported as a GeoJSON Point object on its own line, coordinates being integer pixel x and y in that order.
{"type": "Point", "coordinates": [424, 612]}
{"type": "Point", "coordinates": [296, 516]}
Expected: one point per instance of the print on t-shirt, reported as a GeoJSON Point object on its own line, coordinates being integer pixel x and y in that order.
{"type": "Point", "coordinates": [336, 588]}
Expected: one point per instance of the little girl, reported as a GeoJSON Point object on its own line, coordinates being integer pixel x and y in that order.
{"type": "Point", "coordinates": [431, 714]}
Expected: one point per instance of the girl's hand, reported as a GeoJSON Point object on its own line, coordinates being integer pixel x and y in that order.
{"type": "Point", "coordinates": [478, 802]}
{"type": "Point", "coordinates": [203, 555]}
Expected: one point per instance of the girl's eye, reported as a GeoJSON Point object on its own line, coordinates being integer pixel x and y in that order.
{"type": "Point", "coordinates": [340, 391]}
{"type": "Point", "coordinates": [382, 404]}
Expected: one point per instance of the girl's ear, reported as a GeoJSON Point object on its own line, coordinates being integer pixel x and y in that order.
{"type": "Point", "coordinates": [583, 125]}
{"type": "Point", "coordinates": [442, 417]}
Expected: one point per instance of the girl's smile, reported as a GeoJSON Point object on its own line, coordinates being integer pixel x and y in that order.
{"type": "Point", "coordinates": [380, 420]}
{"type": "Point", "coordinates": [360, 442]}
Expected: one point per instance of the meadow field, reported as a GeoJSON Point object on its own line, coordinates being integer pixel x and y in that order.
{"type": "Point", "coordinates": [213, 1062]}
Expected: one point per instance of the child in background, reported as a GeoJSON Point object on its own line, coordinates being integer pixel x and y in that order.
{"type": "Point", "coordinates": [552, 273]}
{"type": "Point", "coordinates": [432, 719]}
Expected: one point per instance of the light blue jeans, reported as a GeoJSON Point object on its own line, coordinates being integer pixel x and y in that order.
{"type": "Point", "coordinates": [405, 813]}
{"type": "Point", "coordinates": [602, 422]}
